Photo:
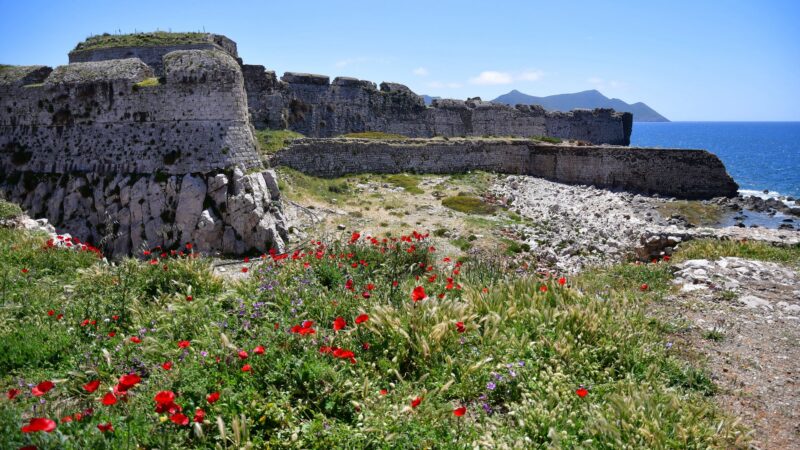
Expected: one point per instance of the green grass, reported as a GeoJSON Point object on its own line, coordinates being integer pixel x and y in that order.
{"type": "Point", "coordinates": [154, 39]}
{"type": "Point", "coordinates": [297, 185]}
{"type": "Point", "coordinates": [408, 182]}
{"type": "Point", "coordinates": [270, 141]}
{"type": "Point", "coordinates": [9, 210]}
{"type": "Point", "coordinates": [468, 204]}
{"type": "Point", "coordinates": [374, 135]}
{"type": "Point", "coordinates": [527, 345]}
{"type": "Point", "coordinates": [696, 213]}
{"type": "Point", "coordinates": [715, 249]}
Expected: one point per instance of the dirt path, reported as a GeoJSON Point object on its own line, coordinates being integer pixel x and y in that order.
{"type": "Point", "coordinates": [742, 318]}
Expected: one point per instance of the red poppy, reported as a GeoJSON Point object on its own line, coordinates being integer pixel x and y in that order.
{"type": "Point", "coordinates": [12, 393]}
{"type": "Point", "coordinates": [184, 344]}
{"type": "Point", "coordinates": [66, 419]}
{"type": "Point", "coordinates": [212, 397]}
{"type": "Point", "coordinates": [164, 397]}
{"type": "Point", "coordinates": [112, 333]}
{"type": "Point", "coordinates": [42, 388]}
{"type": "Point", "coordinates": [51, 312]}
{"type": "Point", "coordinates": [418, 294]}
{"type": "Point", "coordinates": [179, 419]}
{"type": "Point", "coordinates": [562, 281]}
{"type": "Point", "coordinates": [109, 399]}
{"type": "Point", "coordinates": [246, 259]}
{"type": "Point", "coordinates": [259, 350]}
{"type": "Point", "coordinates": [304, 329]}
{"type": "Point", "coordinates": [91, 386]}
{"type": "Point", "coordinates": [384, 392]}
{"type": "Point", "coordinates": [665, 258]}
{"type": "Point", "coordinates": [189, 298]}
{"type": "Point", "coordinates": [135, 339]}
{"type": "Point", "coordinates": [458, 412]}
{"type": "Point", "coordinates": [366, 294]}
{"type": "Point", "coordinates": [244, 269]}
{"type": "Point", "coordinates": [189, 246]}
{"type": "Point", "coordinates": [643, 287]}
{"type": "Point", "coordinates": [24, 270]}
{"type": "Point", "coordinates": [243, 354]}
{"type": "Point", "coordinates": [543, 288]}
{"type": "Point", "coordinates": [348, 285]}
{"type": "Point", "coordinates": [105, 427]}
{"type": "Point", "coordinates": [416, 402]}
{"type": "Point", "coordinates": [460, 327]}
{"type": "Point", "coordinates": [39, 424]}
{"type": "Point", "coordinates": [167, 365]}
{"type": "Point", "coordinates": [582, 392]}
{"type": "Point", "coordinates": [339, 323]}
{"type": "Point", "coordinates": [199, 415]}
{"type": "Point", "coordinates": [354, 237]}
{"type": "Point", "coordinates": [361, 319]}
{"type": "Point", "coordinates": [129, 381]}
{"type": "Point", "coordinates": [432, 278]}
{"type": "Point", "coordinates": [246, 368]}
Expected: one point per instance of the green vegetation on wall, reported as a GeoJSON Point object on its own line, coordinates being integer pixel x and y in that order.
{"type": "Point", "coordinates": [154, 39]}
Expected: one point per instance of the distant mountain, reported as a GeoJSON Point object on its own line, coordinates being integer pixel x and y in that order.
{"type": "Point", "coordinates": [586, 99]}
{"type": "Point", "coordinates": [428, 99]}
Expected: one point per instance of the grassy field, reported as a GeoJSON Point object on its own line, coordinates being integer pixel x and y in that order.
{"type": "Point", "coordinates": [270, 141]}
{"type": "Point", "coordinates": [357, 343]}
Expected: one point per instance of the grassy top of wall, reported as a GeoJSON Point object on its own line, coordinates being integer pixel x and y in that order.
{"type": "Point", "coordinates": [154, 39]}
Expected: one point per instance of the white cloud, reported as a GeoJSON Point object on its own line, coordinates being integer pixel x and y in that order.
{"type": "Point", "coordinates": [529, 75]}
{"type": "Point", "coordinates": [601, 83]}
{"type": "Point", "coordinates": [440, 85]}
{"type": "Point", "coordinates": [420, 72]}
{"type": "Point", "coordinates": [492, 77]}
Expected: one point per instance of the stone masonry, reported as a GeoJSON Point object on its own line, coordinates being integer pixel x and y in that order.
{"type": "Point", "coordinates": [314, 106]}
{"type": "Point", "coordinates": [123, 161]}
{"type": "Point", "coordinates": [691, 174]}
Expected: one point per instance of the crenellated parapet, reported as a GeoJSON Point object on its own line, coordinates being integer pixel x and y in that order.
{"type": "Point", "coordinates": [313, 105]}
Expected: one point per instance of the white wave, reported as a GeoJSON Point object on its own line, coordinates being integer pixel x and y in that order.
{"type": "Point", "coordinates": [766, 195]}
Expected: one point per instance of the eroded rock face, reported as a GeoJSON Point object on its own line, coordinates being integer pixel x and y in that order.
{"type": "Point", "coordinates": [124, 214]}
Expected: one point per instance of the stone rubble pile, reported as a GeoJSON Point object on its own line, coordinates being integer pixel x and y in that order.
{"type": "Point", "coordinates": [753, 284]}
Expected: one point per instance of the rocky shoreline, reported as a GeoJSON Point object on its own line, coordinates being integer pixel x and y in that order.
{"type": "Point", "coordinates": [574, 227]}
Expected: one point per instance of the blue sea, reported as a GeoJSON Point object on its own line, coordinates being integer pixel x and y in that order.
{"type": "Point", "coordinates": [758, 155]}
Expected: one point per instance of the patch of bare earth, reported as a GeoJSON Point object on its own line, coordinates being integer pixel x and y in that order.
{"type": "Point", "coordinates": [743, 318]}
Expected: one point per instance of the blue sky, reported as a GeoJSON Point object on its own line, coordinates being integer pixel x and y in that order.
{"type": "Point", "coordinates": [689, 60]}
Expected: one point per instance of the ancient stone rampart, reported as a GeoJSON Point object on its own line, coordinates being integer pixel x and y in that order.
{"type": "Point", "coordinates": [314, 106]}
{"type": "Point", "coordinates": [153, 55]}
{"type": "Point", "coordinates": [110, 153]}
{"type": "Point", "coordinates": [691, 174]}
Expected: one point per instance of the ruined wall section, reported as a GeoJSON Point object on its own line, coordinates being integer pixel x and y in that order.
{"type": "Point", "coordinates": [693, 174]}
{"type": "Point", "coordinates": [314, 106]}
{"type": "Point", "coordinates": [94, 117]}
{"type": "Point", "coordinates": [119, 160]}
{"type": "Point", "coordinates": [153, 56]}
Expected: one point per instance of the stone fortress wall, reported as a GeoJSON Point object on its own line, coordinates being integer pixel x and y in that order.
{"type": "Point", "coordinates": [168, 161]}
{"type": "Point", "coordinates": [692, 174]}
{"type": "Point", "coordinates": [153, 56]}
{"type": "Point", "coordinates": [314, 106]}
{"type": "Point", "coordinates": [130, 148]}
